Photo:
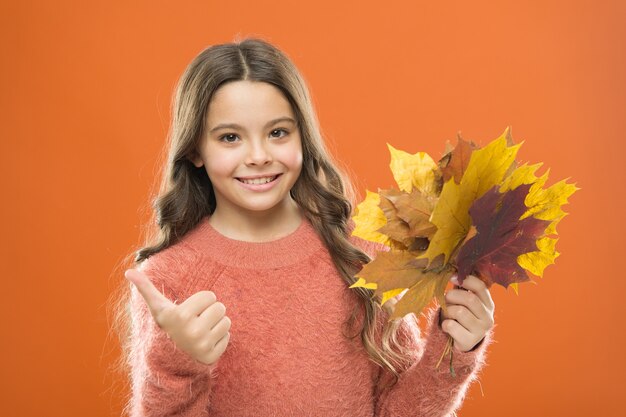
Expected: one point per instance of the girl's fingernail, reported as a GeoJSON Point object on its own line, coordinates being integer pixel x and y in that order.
{"type": "Point", "coordinates": [454, 279]}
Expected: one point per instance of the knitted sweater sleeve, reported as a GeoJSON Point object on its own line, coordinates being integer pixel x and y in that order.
{"type": "Point", "coordinates": [423, 389]}
{"type": "Point", "coordinates": [165, 380]}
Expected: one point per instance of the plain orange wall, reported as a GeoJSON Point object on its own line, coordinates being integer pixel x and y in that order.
{"type": "Point", "coordinates": [84, 107]}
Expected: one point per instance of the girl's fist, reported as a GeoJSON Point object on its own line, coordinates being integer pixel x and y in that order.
{"type": "Point", "coordinates": [198, 326]}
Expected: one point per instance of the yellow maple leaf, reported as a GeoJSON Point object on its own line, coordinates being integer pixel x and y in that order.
{"type": "Point", "coordinates": [369, 217]}
{"type": "Point", "coordinates": [361, 283]}
{"type": "Point", "coordinates": [387, 295]}
{"type": "Point", "coordinates": [536, 262]}
{"type": "Point", "coordinates": [543, 204]}
{"type": "Point", "coordinates": [413, 171]}
{"type": "Point", "coordinates": [486, 169]}
{"type": "Point", "coordinates": [521, 175]}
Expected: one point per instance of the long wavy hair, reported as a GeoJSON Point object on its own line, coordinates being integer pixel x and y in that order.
{"type": "Point", "coordinates": [322, 190]}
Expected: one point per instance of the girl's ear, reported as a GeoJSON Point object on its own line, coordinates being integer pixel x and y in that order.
{"type": "Point", "coordinates": [196, 159]}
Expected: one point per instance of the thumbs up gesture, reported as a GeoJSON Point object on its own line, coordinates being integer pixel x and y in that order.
{"type": "Point", "coordinates": [198, 326]}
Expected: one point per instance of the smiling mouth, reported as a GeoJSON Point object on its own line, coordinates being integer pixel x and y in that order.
{"type": "Point", "coordinates": [259, 181]}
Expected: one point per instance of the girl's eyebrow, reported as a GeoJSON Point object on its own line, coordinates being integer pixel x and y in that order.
{"type": "Point", "coordinates": [236, 126]}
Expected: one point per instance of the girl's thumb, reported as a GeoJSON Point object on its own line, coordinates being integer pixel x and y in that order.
{"type": "Point", "coordinates": [153, 297]}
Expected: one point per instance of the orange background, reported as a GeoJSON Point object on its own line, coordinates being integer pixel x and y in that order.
{"type": "Point", "coordinates": [84, 105]}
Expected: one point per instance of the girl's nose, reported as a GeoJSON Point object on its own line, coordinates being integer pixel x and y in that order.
{"type": "Point", "coordinates": [258, 153]}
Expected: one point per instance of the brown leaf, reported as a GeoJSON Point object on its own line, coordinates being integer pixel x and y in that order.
{"type": "Point", "coordinates": [396, 228]}
{"type": "Point", "coordinates": [455, 163]}
{"type": "Point", "coordinates": [420, 244]}
{"type": "Point", "coordinates": [392, 270]}
{"type": "Point", "coordinates": [415, 209]}
{"type": "Point", "coordinates": [428, 285]}
{"type": "Point", "coordinates": [398, 270]}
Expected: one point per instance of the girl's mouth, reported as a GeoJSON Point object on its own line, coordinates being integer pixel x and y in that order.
{"type": "Point", "coordinates": [258, 181]}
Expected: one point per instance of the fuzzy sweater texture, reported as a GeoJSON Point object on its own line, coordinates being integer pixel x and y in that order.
{"type": "Point", "coordinates": [287, 355]}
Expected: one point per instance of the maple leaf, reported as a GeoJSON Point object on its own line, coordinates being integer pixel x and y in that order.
{"type": "Point", "coordinates": [502, 237]}
{"type": "Point", "coordinates": [368, 218]}
{"type": "Point", "coordinates": [395, 227]}
{"type": "Point", "coordinates": [546, 203]}
{"type": "Point", "coordinates": [414, 171]}
{"type": "Point", "coordinates": [431, 285]}
{"type": "Point", "coordinates": [542, 203]}
{"type": "Point", "coordinates": [454, 163]}
{"type": "Point", "coordinates": [399, 219]}
{"type": "Point", "coordinates": [521, 175]}
{"type": "Point", "coordinates": [486, 168]}
{"type": "Point", "coordinates": [415, 209]}
{"type": "Point", "coordinates": [393, 272]}
{"type": "Point", "coordinates": [407, 218]}
{"type": "Point", "coordinates": [537, 261]}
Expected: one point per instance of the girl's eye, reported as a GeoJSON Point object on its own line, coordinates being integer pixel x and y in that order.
{"type": "Point", "coordinates": [226, 137]}
{"type": "Point", "coordinates": [280, 130]}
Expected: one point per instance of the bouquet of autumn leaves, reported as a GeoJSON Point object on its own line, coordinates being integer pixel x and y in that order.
{"type": "Point", "coordinates": [474, 212]}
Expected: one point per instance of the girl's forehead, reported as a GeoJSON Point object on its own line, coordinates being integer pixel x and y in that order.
{"type": "Point", "coordinates": [247, 102]}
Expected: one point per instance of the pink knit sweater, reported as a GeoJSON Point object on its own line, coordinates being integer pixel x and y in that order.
{"type": "Point", "coordinates": [287, 355]}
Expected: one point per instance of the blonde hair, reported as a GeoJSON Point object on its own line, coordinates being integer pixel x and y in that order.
{"type": "Point", "coordinates": [322, 190]}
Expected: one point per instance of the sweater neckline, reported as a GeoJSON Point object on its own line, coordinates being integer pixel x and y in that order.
{"type": "Point", "coordinates": [286, 250]}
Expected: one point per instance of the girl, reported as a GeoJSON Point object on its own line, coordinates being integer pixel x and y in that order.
{"type": "Point", "coordinates": [240, 304]}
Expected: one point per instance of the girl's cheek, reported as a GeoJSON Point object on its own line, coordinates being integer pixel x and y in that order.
{"type": "Point", "coordinates": [295, 162]}
{"type": "Point", "coordinates": [291, 157]}
{"type": "Point", "coordinates": [224, 163]}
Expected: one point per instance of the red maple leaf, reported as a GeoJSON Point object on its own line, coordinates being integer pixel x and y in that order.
{"type": "Point", "coordinates": [502, 237]}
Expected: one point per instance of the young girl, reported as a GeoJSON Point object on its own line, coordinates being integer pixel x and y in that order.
{"type": "Point", "coordinates": [240, 305]}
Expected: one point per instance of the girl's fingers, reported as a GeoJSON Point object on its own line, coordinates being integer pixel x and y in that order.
{"type": "Point", "coordinates": [221, 328]}
{"type": "Point", "coordinates": [479, 288]}
{"type": "Point", "coordinates": [464, 317]}
{"type": "Point", "coordinates": [220, 347]}
{"type": "Point", "coordinates": [469, 300]}
{"type": "Point", "coordinates": [460, 334]}
{"type": "Point", "coordinates": [212, 315]}
{"type": "Point", "coordinates": [197, 303]}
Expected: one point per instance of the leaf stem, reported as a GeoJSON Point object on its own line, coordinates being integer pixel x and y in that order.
{"type": "Point", "coordinates": [448, 349]}
{"type": "Point", "coordinates": [451, 357]}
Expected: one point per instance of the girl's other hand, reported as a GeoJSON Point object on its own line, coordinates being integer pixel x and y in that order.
{"type": "Point", "coordinates": [470, 313]}
{"type": "Point", "coordinates": [198, 326]}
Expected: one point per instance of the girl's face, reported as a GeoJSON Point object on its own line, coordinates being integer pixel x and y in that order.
{"type": "Point", "coordinates": [251, 148]}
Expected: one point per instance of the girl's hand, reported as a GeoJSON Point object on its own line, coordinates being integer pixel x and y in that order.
{"type": "Point", "coordinates": [198, 326]}
{"type": "Point", "coordinates": [470, 313]}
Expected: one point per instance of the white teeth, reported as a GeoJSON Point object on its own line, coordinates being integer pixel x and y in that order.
{"type": "Point", "coordinates": [257, 180]}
